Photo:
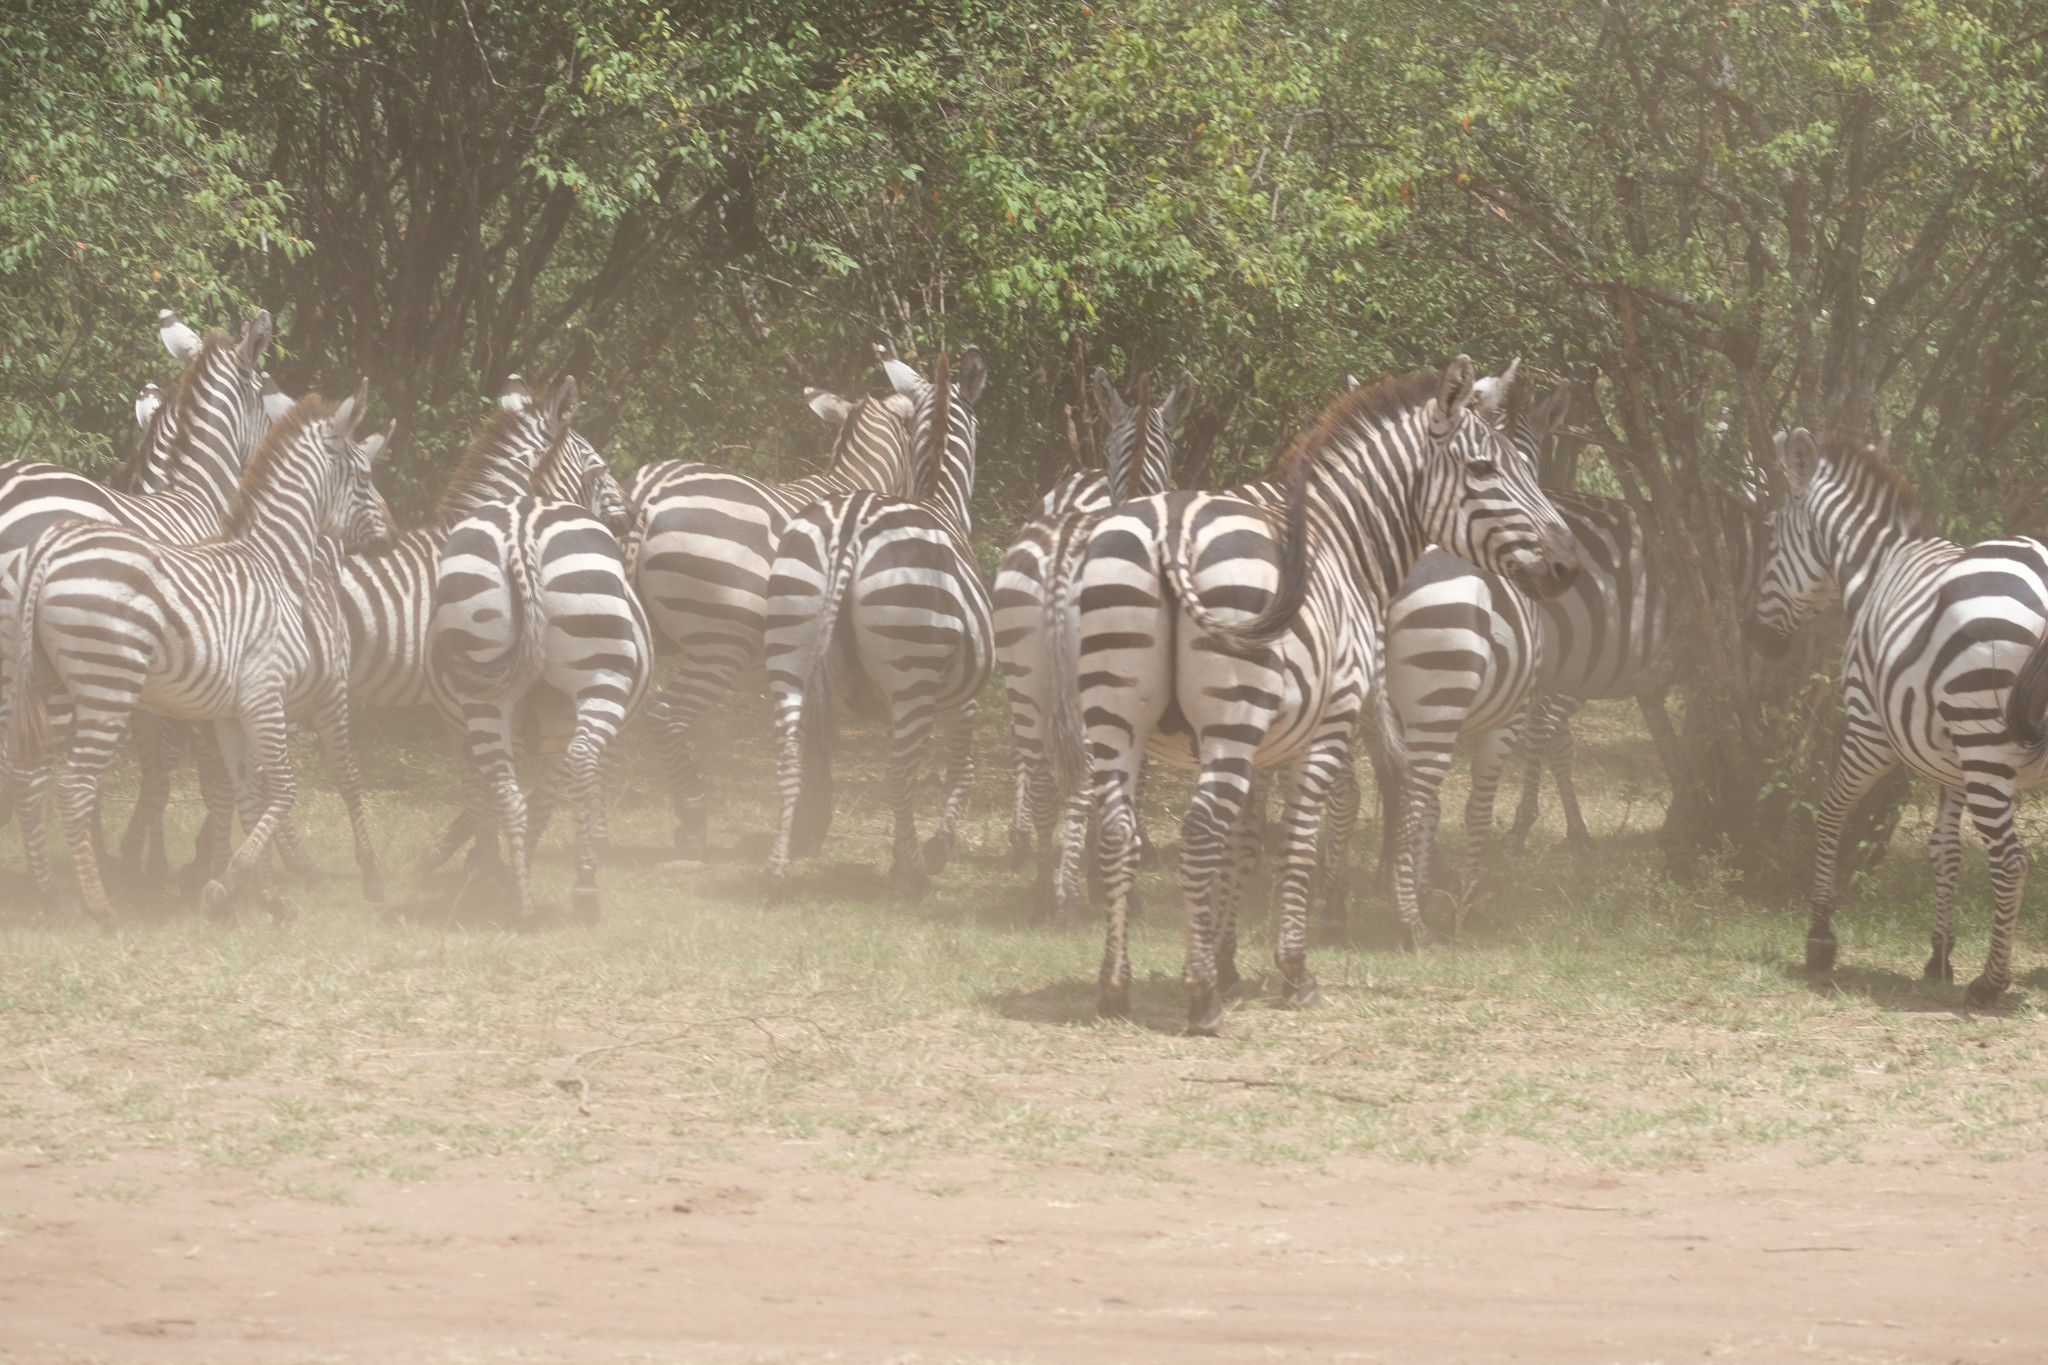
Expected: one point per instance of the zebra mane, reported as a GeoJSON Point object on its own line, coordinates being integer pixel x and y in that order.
{"type": "Point", "coordinates": [479, 477]}
{"type": "Point", "coordinates": [1851, 456]}
{"type": "Point", "coordinates": [937, 432]}
{"type": "Point", "coordinates": [1385, 399]}
{"type": "Point", "coordinates": [262, 468]}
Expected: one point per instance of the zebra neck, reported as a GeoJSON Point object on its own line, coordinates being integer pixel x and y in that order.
{"type": "Point", "coordinates": [1367, 524]}
{"type": "Point", "coordinates": [952, 500]}
{"type": "Point", "coordinates": [1856, 556]}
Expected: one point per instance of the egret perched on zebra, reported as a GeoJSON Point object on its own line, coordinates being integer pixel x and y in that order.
{"type": "Point", "coordinates": [1224, 642]}
{"type": "Point", "coordinates": [537, 641]}
{"type": "Point", "coordinates": [1939, 634]}
{"type": "Point", "coordinates": [1036, 577]}
{"type": "Point", "coordinates": [705, 550]}
{"type": "Point", "coordinates": [113, 619]}
{"type": "Point", "coordinates": [879, 600]}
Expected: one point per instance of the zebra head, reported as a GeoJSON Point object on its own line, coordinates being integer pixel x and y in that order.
{"type": "Point", "coordinates": [943, 429]}
{"type": "Point", "coordinates": [1841, 500]}
{"type": "Point", "coordinates": [1480, 497]}
{"type": "Point", "coordinates": [204, 431]}
{"type": "Point", "coordinates": [1139, 465]}
{"type": "Point", "coordinates": [570, 469]}
{"type": "Point", "coordinates": [353, 510]}
{"type": "Point", "coordinates": [870, 434]}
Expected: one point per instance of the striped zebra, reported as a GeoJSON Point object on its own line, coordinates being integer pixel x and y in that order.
{"type": "Point", "coordinates": [1938, 635]}
{"type": "Point", "coordinates": [705, 551]}
{"type": "Point", "coordinates": [197, 442]}
{"type": "Point", "coordinates": [1462, 658]}
{"type": "Point", "coordinates": [1223, 642]}
{"type": "Point", "coordinates": [225, 631]}
{"type": "Point", "coordinates": [536, 641]}
{"type": "Point", "coordinates": [1036, 573]}
{"type": "Point", "coordinates": [879, 599]}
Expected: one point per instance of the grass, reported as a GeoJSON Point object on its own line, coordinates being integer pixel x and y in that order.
{"type": "Point", "coordinates": [1593, 1012]}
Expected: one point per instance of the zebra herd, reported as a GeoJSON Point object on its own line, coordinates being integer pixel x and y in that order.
{"type": "Point", "coordinates": [1398, 584]}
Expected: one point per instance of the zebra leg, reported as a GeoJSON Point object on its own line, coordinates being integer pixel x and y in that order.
{"type": "Point", "coordinates": [909, 736]}
{"type": "Point", "coordinates": [1537, 724]}
{"type": "Point", "coordinates": [257, 750]}
{"type": "Point", "coordinates": [1863, 758]}
{"type": "Point", "coordinates": [1992, 812]}
{"type": "Point", "coordinates": [1222, 792]}
{"type": "Point", "coordinates": [467, 825]}
{"type": "Point", "coordinates": [1118, 835]}
{"type": "Point", "coordinates": [584, 789]}
{"type": "Point", "coordinates": [142, 843]}
{"type": "Point", "coordinates": [1423, 786]}
{"type": "Point", "coordinates": [1490, 755]}
{"type": "Point", "coordinates": [706, 675]}
{"type": "Point", "coordinates": [959, 731]}
{"type": "Point", "coordinates": [1240, 857]}
{"type": "Point", "coordinates": [32, 800]}
{"type": "Point", "coordinates": [331, 724]}
{"type": "Point", "coordinates": [1561, 749]}
{"type": "Point", "coordinates": [490, 741]}
{"type": "Point", "coordinates": [291, 852]}
{"type": "Point", "coordinates": [1945, 849]}
{"type": "Point", "coordinates": [214, 842]}
{"type": "Point", "coordinates": [1034, 778]}
{"type": "Point", "coordinates": [789, 778]}
{"type": "Point", "coordinates": [1340, 822]}
{"type": "Point", "coordinates": [1313, 778]}
{"type": "Point", "coordinates": [97, 725]}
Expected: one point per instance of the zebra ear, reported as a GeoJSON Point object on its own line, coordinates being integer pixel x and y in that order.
{"type": "Point", "coordinates": [276, 402]}
{"type": "Point", "coordinates": [1179, 401]}
{"type": "Point", "coordinates": [1551, 413]}
{"type": "Point", "coordinates": [829, 406]}
{"type": "Point", "coordinates": [971, 375]}
{"type": "Point", "coordinates": [562, 402]}
{"type": "Point", "coordinates": [1107, 399]}
{"type": "Point", "coordinates": [351, 411]}
{"type": "Point", "coordinates": [378, 445]}
{"type": "Point", "coordinates": [902, 378]}
{"type": "Point", "coordinates": [1454, 390]}
{"type": "Point", "coordinates": [255, 337]}
{"type": "Point", "coordinates": [1799, 457]}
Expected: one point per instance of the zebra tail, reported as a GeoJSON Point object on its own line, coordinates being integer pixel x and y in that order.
{"type": "Point", "coordinates": [28, 727]}
{"type": "Point", "coordinates": [818, 726]}
{"type": "Point", "coordinates": [1270, 623]}
{"type": "Point", "coordinates": [2026, 706]}
{"type": "Point", "coordinates": [1388, 752]}
{"type": "Point", "coordinates": [1069, 732]}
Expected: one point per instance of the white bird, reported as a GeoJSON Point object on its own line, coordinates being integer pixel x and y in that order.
{"type": "Point", "coordinates": [276, 402]}
{"type": "Point", "coordinates": [181, 340]}
{"type": "Point", "coordinates": [146, 403]}
{"type": "Point", "coordinates": [1490, 393]}
{"type": "Point", "coordinates": [515, 396]}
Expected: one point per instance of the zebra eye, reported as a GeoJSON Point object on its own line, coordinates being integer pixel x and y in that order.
{"type": "Point", "coordinates": [1481, 468]}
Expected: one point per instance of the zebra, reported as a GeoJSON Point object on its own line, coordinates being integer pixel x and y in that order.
{"type": "Point", "coordinates": [536, 639]}
{"type": "Point", "coordinates": [703, 558]}
{"type": "Point", "coordinates": [1035, 573]}
{"type": "Point", "coordinates": [222, 631]}
{"type": "Point", "coordinates": [1462, 656]}
{"type": "Point", "coordinates": [1220, 641]}
{"type": "Point", "coordinates": [1938, 634]}
{"type": "Point", "coordinates": [192, 453]}
{"type": "Point", "coordinates": [880, 596]}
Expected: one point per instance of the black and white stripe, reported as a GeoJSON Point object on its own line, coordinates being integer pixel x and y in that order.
{"type": "Point", "coordinates": [705, 550]}
{"type": "Point", "coordinates": [224, 631]}
{"type": "Point", "coordinates": [879, 598]}
{"type": "Point", "coordinates": [1221, 642]}
{"type": "Point", "coordinates": [1938, 634]}
{"type": "Point", "coordinates": [537, 642]}
{"type": "Point", "coordinates": [1036, 577]}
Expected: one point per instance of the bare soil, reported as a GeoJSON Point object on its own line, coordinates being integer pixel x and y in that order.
{"type": "Point", "coordinates": [1910, 1256]}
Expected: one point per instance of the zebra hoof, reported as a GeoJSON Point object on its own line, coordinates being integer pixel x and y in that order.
{"type": "Point", "coordinates": [1205, 1012]}
{"type": "Point", "coordinates": [1983, 992]}
{"type": "Point", "coordinates": [938, 851]}
{"type": "Point", "coordinates": [1114, 1002]}
{"type": "Point", "coordinates": [1820, 952]}
{"type": "Point", "coordinates": [1939, 968]}
{"type": "Point", "coordinates": [583, 904]}
{"type": "Point", "coordinates": [1419, 937]}
{"type": "Point", "coordinates": [1227, 977]}
{"type": "Point", "coordinates": [912, 885]}
{"type": "Point", "coordinates": [1301, 991]}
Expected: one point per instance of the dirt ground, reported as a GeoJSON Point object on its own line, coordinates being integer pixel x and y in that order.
{"type": "Point", "coordinates": [1907, 1257]}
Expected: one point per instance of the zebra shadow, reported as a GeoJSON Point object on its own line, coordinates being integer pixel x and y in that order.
{"type": "Point", "coordinates": [1909, 993]}
{"type": "Point", "coordinates": [1159, 1003]}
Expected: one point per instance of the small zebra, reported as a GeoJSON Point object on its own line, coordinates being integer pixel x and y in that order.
{"type": "Point", "coordinates": [191, 453]}
{"type": "Point", "coordinates": [1938, 635]}
{"type": "Point", "coordinates": [537, 641]}
{"type": "Point", "coordinates": [1222, 642]}
{"type": "Point", "coordinates": [1036, 573]}
{"type": "Point", "coordinates": [703, 557]}
{"type": "Point", "coordinates": [221, 631]}
{"type": "Point", "coordinates": [879, 599]}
